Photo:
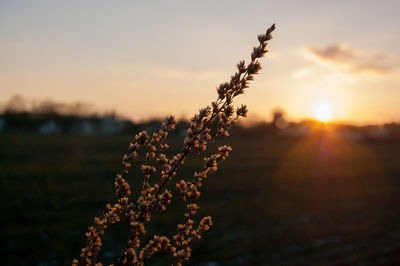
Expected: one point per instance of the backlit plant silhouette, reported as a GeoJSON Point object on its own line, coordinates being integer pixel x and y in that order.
{"type": "Point", "coordinates": [154, 197]}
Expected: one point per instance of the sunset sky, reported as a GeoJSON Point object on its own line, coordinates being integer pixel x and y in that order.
{"type": "Point", "coordinates": [152, 58]}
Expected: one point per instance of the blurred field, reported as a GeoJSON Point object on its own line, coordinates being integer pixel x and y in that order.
{"type": "Point", "coordinates": [314, 200]}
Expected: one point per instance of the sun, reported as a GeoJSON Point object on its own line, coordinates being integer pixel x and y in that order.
{"type": "Point", "coordinates": [323, 112]}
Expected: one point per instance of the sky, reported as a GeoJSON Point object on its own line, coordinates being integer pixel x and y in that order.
{"type": "Point", "coordinates": [148, 59]}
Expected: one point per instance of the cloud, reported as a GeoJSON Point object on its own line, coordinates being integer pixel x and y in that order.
{"type": "Point", "coordinates": [353, 60]}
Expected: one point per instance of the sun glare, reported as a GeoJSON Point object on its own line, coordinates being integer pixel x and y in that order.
{"type": "Point", "coordinates": [323, 112]}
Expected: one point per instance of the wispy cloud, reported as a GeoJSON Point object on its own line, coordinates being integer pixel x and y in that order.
{"type": "Point", "coordinates": [353, 60]}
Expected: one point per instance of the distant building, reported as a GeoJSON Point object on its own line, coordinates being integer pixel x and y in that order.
{"type": "Point", "coordinates": [49, 127]}
{"type": "Point", "coordinates": [111, 125]}
{"type": "Point", "coordinates": [349, 134]}
{"type": "Point", "coordinates": [182, 133]}
{"type": "Point", "coordinates": [378, 133]}
{"type": "Point", "coordinates": [2, 124]}
{"type": "Point", "coordinates": [84, 127]}
{"type": "Point", "coordinates": [299, 130]}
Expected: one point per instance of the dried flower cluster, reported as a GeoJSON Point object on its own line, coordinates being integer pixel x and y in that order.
{"type": "Point", "coordinates": [154, 197]}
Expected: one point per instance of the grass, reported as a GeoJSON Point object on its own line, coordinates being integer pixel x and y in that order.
{"type": "Point", "coordinates": [315, 200]}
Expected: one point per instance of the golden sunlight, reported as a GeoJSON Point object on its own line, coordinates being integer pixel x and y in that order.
{"type": "Point", "coordinates": [323, 112]}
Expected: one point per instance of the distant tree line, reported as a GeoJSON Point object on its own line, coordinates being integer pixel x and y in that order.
{"type": "Point", "coordinates": [19, 115]}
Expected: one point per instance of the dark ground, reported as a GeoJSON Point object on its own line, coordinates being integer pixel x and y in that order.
{"type": "Point", "coordinates": [315, 200]}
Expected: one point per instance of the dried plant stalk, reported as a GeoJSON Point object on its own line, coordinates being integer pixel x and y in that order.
{"type": "Point", "coordinates": [155, 197]}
